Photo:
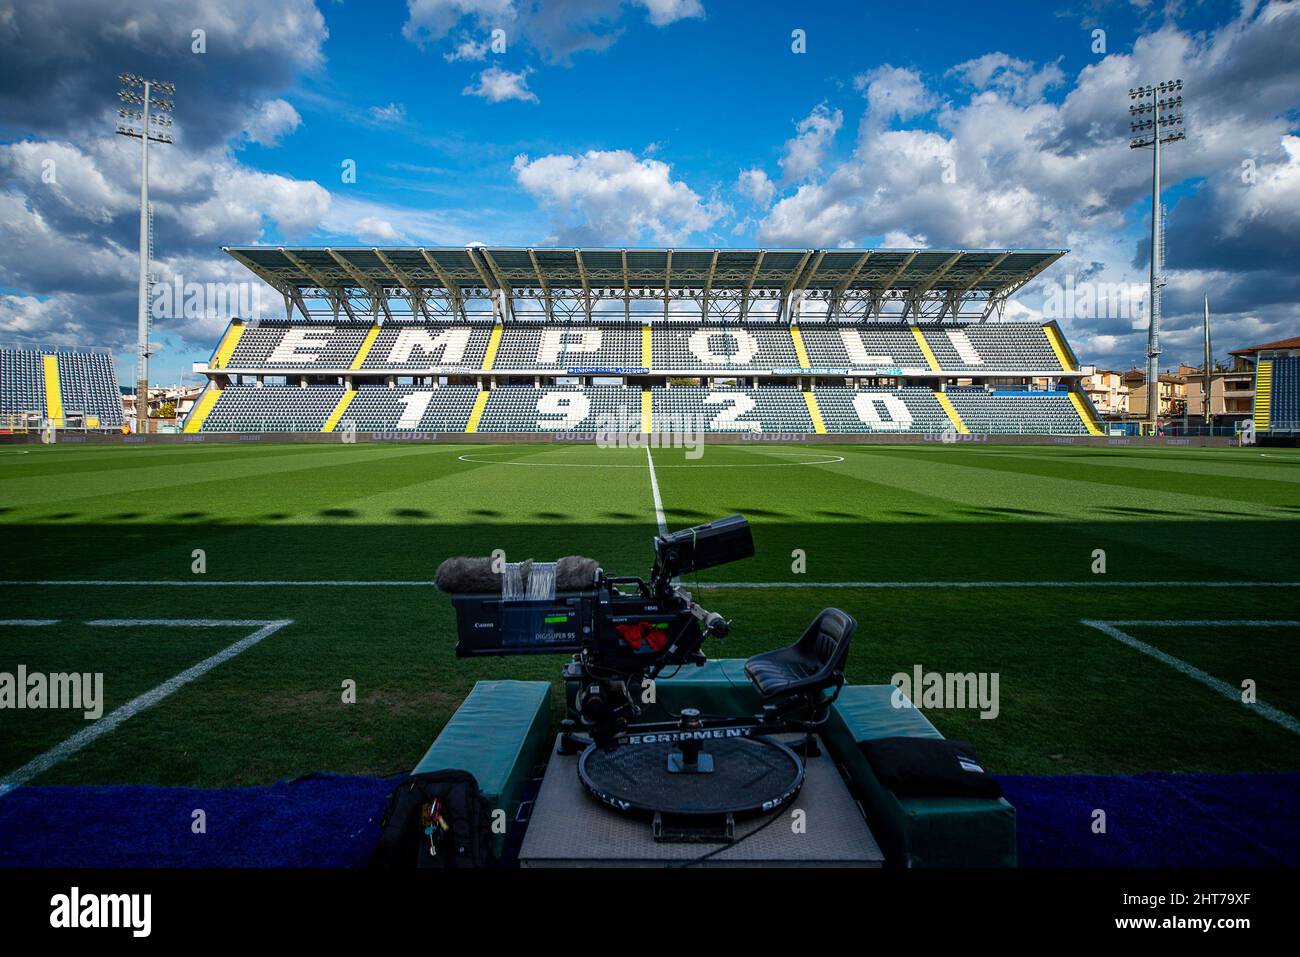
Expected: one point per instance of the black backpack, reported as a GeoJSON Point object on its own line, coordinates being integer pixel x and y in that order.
{"type": "Point", "coordinates": [435, 819]}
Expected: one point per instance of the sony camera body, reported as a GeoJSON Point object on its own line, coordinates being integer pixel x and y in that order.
{"type": "Point", "coordinates": [620, 631]}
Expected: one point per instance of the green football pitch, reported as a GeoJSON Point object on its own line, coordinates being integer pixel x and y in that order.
{"type": "Point", "coordinates": [954, 558]}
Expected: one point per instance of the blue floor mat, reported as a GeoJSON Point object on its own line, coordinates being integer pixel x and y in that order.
{"type": "Point", "coordinates": [1158, 820]}
{"type": "Point", "coordinates": [322, 820]}
{"type": "Point", "coordinates": [1152, 820]}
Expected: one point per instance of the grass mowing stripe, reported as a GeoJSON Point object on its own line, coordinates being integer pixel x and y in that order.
{"type": "Point", "coordinates": [1266, 711]}
{"type": "Point", "coordinates": [70, 746]}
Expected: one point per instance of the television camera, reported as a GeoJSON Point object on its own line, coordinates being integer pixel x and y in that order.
{"type": "Point", "coordinates": [622, 631]}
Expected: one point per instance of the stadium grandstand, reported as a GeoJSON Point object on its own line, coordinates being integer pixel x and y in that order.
{"type": "Point", "coordinates": [1276, 405]}
{"type": "Point", "coordinates": [512, 340]}
{"type": "Point", "coordinates": [64, 389]}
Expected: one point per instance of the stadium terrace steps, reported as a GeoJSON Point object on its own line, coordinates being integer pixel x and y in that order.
{"type": "Point", "coordinates": [377, 408]}
{"type": "Point", "coordinates": [815, 413]}
{"type": "Point", "coordinates": [1059, 347]}
{"type": "Point", "coordinates": [68, 388]}
{"type": "Point", "coordinates": [202, 408]}
{"type": "Point", "coordinates": [746, 348]}
{"type": "Point", "coordinates": [1284, 393]}
{"type": "Point", "coordinates": [1011, 413]}
{"type": "Point", "coordinates": [272, 408]}
{"type": "Point", "coordinates": [226, 348]}
{"type": "Point", "coordinates": [926, 351]}
{"type": "Point", "coordinates": [494, 344]}
{"type": "Point", "coordinates": [332, 422]}
{"type": "Point", "coordinates": [354, 355]}
{"type": "Point", "coordinates": [53, 394]}
{"type": "Point", "coordinates": [476, 413]}
{"type": "Point", "coordinates": [612, 408]}
{"type": "Point", "coordinates": [366, 344]}
{"type": "Point", "coordinates": [951, 412]}
{"type": "Point", "coordinates": [1087, 414]}
{"type": "Point", "coordinates": [615, 408]}
{"type": "Point", "coordinates": [801, 353]}
{"type": "Point", "coordinates": [1263, 394]}
{"type": "Point", "coordinates": [770, 409]}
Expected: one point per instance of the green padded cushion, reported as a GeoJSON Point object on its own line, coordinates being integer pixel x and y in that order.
{"type": "Point", "coordinates": [499, 734]}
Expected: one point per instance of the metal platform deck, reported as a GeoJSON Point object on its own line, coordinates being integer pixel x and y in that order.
{"type": "Point", "coordinates": [569, 828]}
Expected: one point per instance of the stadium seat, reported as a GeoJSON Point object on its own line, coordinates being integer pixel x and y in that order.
{"type": "Point", "coordinates": [87, 382]}
{"type": "Point", "coordinates": [529, 346]}
{"type": "Point", "coordinates": [381, 409]}
{"type": "Point", "coordinates": [1284, 409]}
{"type": "Point", "coordinates": [991, 347]}
{"type": "Point", "coordinates": [306, 346]}
{"type": "Point", "coordinates": [730, 409]}
{"type": "Point", "coordinates": [751, 347]}
{"type": "Point", "coordinates": [273, 408]}
{"type": "Point", "coordinates": [907, 409]}
{"type": "Point", "coordinates": [862, 346]}
{"type": "Point", "coordinates": [516, 408]}
{"type": "Point", "coordinates": [1009, 413]}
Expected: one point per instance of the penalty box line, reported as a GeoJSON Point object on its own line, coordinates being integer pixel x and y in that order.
{"type": "Point", "coordinates": [1267, 711]}
{"type": "Point", "coordinates": [70, 746]}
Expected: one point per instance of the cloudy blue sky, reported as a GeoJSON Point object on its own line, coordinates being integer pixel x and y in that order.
{"type": "Point", "coordinates": [649, 122]}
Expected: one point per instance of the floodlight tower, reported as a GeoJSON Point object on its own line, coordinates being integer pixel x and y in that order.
{"type": "Point", "coordinates": [149, 122]}
{"type": "Point", "coordinates": [1209, 415]}
{"type": "Point", "coordinates": [1157, 117]}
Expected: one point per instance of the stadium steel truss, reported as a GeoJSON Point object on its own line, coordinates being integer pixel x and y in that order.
{"type": "Point", "coordinates": [533, 340]}
{"type": "Point", "coordinates": [717, 284]}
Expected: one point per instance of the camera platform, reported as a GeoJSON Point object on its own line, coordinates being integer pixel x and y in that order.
{"type": "Point", "coordinates": [697, 794]}
{"type": "Point", "coordinates": [567, 828]}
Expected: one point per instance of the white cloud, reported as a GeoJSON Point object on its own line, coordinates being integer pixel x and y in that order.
{"type": "Point", "coordinates": [468, 49]}
{"type": "Point", "coordinates": [1018, 80]}
{"type": "Point", "coordinates": [497, 85]}
{"type": "Point", "coordinates": [893, 93]}
{"type": "Point", "coordinates": [664, 12]}
{"type": "Point", "coordinates": [1003, 166]}
{"type": "Point", "coordinates": [430, 20]}
{"type": "Point", "coordinates": [390, 115]}
{"type": "Point", "coordinates": [755, 185]}
{"type": "Point", "coordinates": [899, 239]}
{"type": "Point", "coordinates": [804, 153]}
{"type": "Point", "coordinates": [556, 30]}
{"type": "Point", "coordinates": [273, 121]}
{"type": "Point", "coordinates": [377, 230]}
{"type": "Point", "coordinates": [604, 196]}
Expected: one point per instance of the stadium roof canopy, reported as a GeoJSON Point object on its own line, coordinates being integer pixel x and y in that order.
{"type": "Point", "coordinates": [576, 284]}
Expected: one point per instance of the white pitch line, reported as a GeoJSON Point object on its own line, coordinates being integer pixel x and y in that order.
{"type": "Point", "coordinates": [1267, 711]}
{"type": "Point", "coordinates": [29, 622]}
{"type": "Point", "coordinates": [1088, 583]}
{"type": "Point", "coordinates": [654, 487]}
{"type": "Point", "coordinates": [408, 583]}
{"type": "Point", "coordinates": [70, 746]}
{"type": "Point", "coordinates": [1207, 623]}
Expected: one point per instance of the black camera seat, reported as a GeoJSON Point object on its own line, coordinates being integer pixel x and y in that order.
{"type": "Point", "coordinates": [812, 664]}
